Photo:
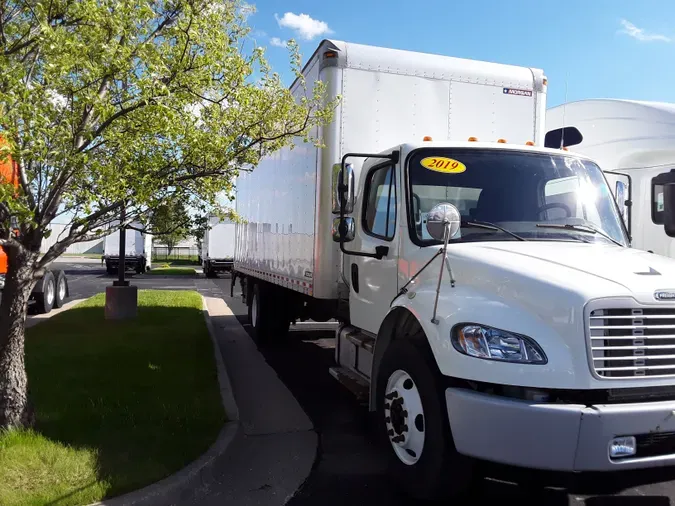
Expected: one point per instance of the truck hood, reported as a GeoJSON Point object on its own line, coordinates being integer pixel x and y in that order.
{"type": "Point", "coordinates": [588, 268]}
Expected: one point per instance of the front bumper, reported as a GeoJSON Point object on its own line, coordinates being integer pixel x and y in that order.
{"type": "Point", "coordinates": [224, 265]}
{"type": "Point", "coordinates": [560, 437]}
{"type": "Point", "coordinates": [127, 260]}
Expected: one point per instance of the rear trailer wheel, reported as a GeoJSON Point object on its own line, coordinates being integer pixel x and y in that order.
{"type": "Point", "coordinates": [209, 272]}
{"type": "Point", "coordinates": [44, 300]}
{"type": "Point", "coordinates": [412, 417]}
{"type": "Point", "coordinates": [266, 313]}
{"type": "Point", "coordinates": [61, 289]}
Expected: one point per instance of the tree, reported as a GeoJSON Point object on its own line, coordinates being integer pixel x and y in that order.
{"type": "Point", "coordinates": [170, 224]}
{"type": "Point", "coordinates": [111, 104]}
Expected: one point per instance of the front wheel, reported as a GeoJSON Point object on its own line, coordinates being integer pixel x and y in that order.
{"type": "Point", "coordinates": [413, 418]}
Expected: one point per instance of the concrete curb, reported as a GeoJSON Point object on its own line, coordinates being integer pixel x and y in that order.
{"type": "Point", "coordinates": [169, 487]}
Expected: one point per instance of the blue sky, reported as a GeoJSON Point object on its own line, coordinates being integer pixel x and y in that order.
{"type": "Point", "coordinates": [603, 48]}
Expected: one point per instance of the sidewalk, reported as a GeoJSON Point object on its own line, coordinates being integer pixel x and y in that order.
{"type": "Point", "coordinates": [276, 446]}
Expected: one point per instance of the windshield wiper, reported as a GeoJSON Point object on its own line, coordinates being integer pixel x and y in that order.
{"type": "Point", "coordinates": [580, 228]}
{"type": "Point", "coordinates": [490, 226]}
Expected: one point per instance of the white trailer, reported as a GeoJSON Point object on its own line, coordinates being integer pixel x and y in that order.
{"type": "Point", "coordinates": [489, 305]}
{"type": "Point", "coordinates": [634, 142]}
{"type": "Point", "coordinates": [137, 250]}
{"type": "Point", "coordinates": [218, 247]}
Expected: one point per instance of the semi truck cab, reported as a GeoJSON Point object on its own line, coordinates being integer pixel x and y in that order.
{"type": "Point", "coordinates": [494, 285]}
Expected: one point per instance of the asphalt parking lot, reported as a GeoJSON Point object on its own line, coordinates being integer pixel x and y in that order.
{"type": "Point", "coordinates": [350, 468]}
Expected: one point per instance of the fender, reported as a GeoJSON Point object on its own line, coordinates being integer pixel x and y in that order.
{"type": "Point", "coordinates": [398, 322]}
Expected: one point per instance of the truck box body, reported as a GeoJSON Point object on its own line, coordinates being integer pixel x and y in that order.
{"type": "Point", "coordinates": [632, 138]}
{"type": "Point", "coordinates": [134, 245]}
{"type": "Point", "coordinates": [137, 250]}
{"type": "Point", "coordinates": [388, 97]}
{"type": "Point", "coordinates": [218, 246]}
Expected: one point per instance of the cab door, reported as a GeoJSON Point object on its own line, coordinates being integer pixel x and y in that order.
{"type": "Point", "coordinates": [374, 281]}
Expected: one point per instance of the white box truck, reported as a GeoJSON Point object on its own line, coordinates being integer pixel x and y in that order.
{"type": "Point", "coordinates": [490, 306]}
{"type": "Point", "coordinates": [137, 251]}
{"type": "Point", "coordinates": [634, 143]}
{"type": "Point", "coordinates": [218, 247]}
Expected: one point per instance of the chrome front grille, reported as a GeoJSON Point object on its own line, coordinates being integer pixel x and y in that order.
{"type": "Point", "coordinates": [633, 342]}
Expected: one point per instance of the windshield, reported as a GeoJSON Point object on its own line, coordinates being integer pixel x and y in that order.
{"type": "Point", "coordinates": [537, 196]}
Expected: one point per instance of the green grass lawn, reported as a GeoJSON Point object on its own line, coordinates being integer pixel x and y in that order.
{"type": "Point", "coordinates": [169, 270]}
{"type": "Point", "coordinates": [119, 405]}
{"type": "Point", "coordinates": [185, 260]}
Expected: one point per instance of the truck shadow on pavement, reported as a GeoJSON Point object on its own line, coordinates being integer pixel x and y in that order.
{"type": "Point", "coordinates": [352, 469]}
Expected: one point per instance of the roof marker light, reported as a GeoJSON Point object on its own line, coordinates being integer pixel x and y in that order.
{"type": "Point", "coordinates": [473, 139]}
{"type": "Point", "coordinates": [329, 54]}
{"type": "Point", "coordinates": [427, 138]}
{"type": "Point", "coordinates": [501, 141]}
{"type": "Point", "coordinates": [529, 143]}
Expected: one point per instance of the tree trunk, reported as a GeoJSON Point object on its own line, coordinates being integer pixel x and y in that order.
{"type": "Point", "coordinates": [15, 410]}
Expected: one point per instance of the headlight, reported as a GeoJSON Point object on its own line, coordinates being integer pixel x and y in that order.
{"type": "Point", "coordinates": [494, 344]}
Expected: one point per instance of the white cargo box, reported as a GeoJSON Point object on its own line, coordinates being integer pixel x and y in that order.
{"type": "Point", "coordinates": [389, 97]}
{"type": "Point", "coordinates": [219, 240]}
{"type": "Point", "coordinates": [135, 243]}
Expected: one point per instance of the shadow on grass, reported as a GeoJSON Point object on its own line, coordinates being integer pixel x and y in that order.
{"type": "Point", "coordinates": [142, 393]}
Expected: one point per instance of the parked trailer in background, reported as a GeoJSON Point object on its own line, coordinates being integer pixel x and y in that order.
{"type": "Point", "coordinates": [137, 253]}
{"type": "Point", "coordinates": [634, 142]}
{"type": "Point", "coordinates": [218, 247]}
{"type": "Point", "coordinates": [489, 304]}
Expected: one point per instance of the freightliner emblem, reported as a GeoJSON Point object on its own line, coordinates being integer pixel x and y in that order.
{"type": "Point", "coordinates": [665, 295]}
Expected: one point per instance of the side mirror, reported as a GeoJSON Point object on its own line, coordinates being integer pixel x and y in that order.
{"type": "Point", "coordinates": [563, 137]}
{"type": "Point", "coordinates": [344, 228]}
{"type": "Point", "coordinates": [669, 209]}
{"type": "Point", "coordinates": [443, 219]}
{"type": "Point", "coordinates": [343, 188]}
{"type": "Point", "coordinates": [666, 199]}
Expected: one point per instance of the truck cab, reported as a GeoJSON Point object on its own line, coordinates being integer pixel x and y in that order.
{"type": "Point", "coordinates": [491, 282]}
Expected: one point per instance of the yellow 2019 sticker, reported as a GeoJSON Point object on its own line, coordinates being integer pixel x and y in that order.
{"type": "Point", "coordinates": [442, 164]}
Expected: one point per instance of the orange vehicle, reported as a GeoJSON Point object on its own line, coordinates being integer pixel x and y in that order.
{"type": "Point", "coordinates": [52, 289]}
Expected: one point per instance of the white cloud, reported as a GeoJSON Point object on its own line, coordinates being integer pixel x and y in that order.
{"type": "Point", "coordinates": [640, 34]}
{"type": "Point", "coordinates": [277, 42]}
{"type": "Point", "coordinates": [305, 26]}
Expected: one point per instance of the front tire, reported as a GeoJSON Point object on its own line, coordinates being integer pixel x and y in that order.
{"type": "Point", "coordinates": [413, 419]}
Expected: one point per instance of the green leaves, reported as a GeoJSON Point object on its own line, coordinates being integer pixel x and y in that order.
{"type": "Point", "coordinates": [137, 101]}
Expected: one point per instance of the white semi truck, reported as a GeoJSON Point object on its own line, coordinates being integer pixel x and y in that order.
{"type": "Point", "coordinates": [634, 142]}
{"type": "Point", "coordinates": [138, 250]}
{"type": "Point", "coordinates": [490, 306]}
{"type": "Point", "coordinates": [218, 247]}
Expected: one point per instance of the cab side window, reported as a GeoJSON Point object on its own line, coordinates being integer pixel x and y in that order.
{"type": "Point", "coordinates": [379, 214]}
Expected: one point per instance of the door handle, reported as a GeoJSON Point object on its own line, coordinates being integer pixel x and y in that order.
{"type": "Point", "coordinates": [355, 278]}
